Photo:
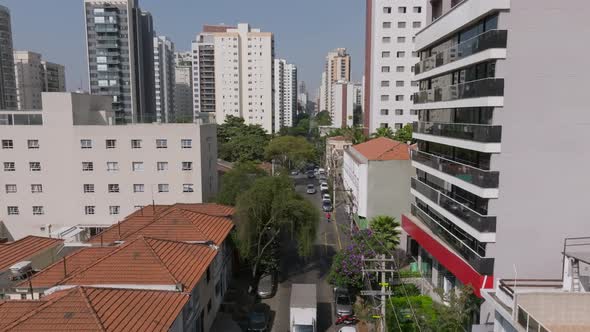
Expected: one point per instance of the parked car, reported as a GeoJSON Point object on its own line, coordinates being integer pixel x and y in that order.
{"type": "Point", "coordinates": [267, 285]}
{"type": "Point", "coordinates": [310, 174]}
{"type": "Point", "coordinates": [326, 198]}
{"type": "Point", "coordinates": [327, 206]}
{"type": "Point", "coordinates": [347, 329]}
{"type": "Point", "coordinates": [343, 302]}
{"type": "Point", "coordinates": [311, 189]}
{"type": "Point", "coordinates": [294, 172]}
{"type": "Point", "coordinates": [322, 177]}
{"type": "Point", "coordinates": [324, 187]}
{"type": "Point", "coordinates": [259, 318]}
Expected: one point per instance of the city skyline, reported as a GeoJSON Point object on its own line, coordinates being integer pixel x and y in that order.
{"type": "Point", "coordinates": [305, 45]}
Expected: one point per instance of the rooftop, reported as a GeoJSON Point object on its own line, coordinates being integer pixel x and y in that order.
{"type": "Point", "coordinates": [94, 309]}
{"type": "Point", "coordinates": [24, 249]}
{"type": "Point", "coordinates": [383, 148]}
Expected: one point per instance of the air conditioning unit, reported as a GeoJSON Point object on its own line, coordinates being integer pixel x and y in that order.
{"type": "Point", "coordinates": [21, 270]}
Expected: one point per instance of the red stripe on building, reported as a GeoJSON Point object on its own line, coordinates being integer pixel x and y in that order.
{"type": "Point", "coordinates": [455, 264]}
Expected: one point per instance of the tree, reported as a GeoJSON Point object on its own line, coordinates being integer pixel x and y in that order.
{"type": "Point", "coordinates": [354, 134]}
{"type": "Point", "coordinates": [346, 270]}
{"type": "Point", "coordinates": [237, 181]}
{"type": "Point", "coordinates": [269, 209]}
{"type": "Point", "coordinates": [323, 118]}
{"type": "Point", "coordinates": [290, 150]}
{"type": "Point", "coordinates": [386, 231]}
{"type": "Point", "coordinates": [404, 134]}
{"type": "Point", "coordinates": [457, 310]}
{"type": "Point", "coordinates": [240, 142]}
{"type": "Point", "coordinates": [383, 132]}
{"type": "Point", "coordinates": [420, 316]}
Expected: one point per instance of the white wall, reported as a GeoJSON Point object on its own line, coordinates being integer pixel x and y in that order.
{"type": "Point", "coordinates": [342, 105]}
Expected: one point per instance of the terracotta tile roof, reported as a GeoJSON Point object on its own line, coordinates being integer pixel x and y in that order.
{"type": "Point", "coordinates": [54, 273]}
{"type": "Point", "coordinates": [180, 222]}
{"type": "Point", "coordinates": [24, 249]}
{"type": "Point", "coordinates": [101, 309]}
{"type": "Point", "coordinates": [148, 261]}
{"type": "Point", "coordinates": [337, 138]}
{"type": "Point", "coordinates": [13, 310]}
{"type": "Point", "coordinates": [383, 148]}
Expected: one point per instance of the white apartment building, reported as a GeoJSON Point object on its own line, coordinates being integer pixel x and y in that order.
{"type": "Point", "coordinates": [34, 76]}
{"type": "Point", "coordinates": [68, 165]}
{"type": "Point", "coordinates": [322, 94]}
{"type": "Point", "coordinates": [164, 70]}
{"type": "Point", "coordinates": [389, 61]}
{"type": "Point", "coordinates": [183, 89]}
{"type": "Point", "coordinates": [7, 80]}
{"type": "Point", "coordinates": [342, 107]}
{"type": "Point", "coordinates": [237, 64]}
{"type": "Point", "coordinates": [285, 94]}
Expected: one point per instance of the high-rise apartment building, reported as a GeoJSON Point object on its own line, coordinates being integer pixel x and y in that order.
{"type": "Point", "coordinates": [34, 76]}
{"type": "Point", "coordinates": [494, 194]}
{"type": "Point", "coordinates": [232, 74]}
{"type": "Point", "coordinates": [183, 88]}
{"type": "Point", "coordinates": [285, 94]}
{"type": "Point", "coordinates": [68, 165]}
{"type": "Point", "coordinates": [337, 68]}
{"type": "Point", "coordinates": [322, 95]}
{"type": "Point", "coordinates": [7, 80]}
{"type": "Point", "coordinates": [342, 106]}
{"type": "Point", "coordinates": [119, 38]}
{"type": "Point", "coordinates": [389, 61]}
{"type": "Point", "coordinates": [164, 70]}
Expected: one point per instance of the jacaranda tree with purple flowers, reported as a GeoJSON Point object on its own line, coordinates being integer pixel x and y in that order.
{"type": "Point", "coordinates": [347, 265]}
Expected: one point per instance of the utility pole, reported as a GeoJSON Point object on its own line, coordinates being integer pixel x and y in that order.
{"type": "Point", "coordinates": [381, 262]}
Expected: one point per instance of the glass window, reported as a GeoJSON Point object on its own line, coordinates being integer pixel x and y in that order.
{"type": "Point", "coordinates": [7, 144]}
{"type": "Point", "coordinates": [399, 83]}
{"type": "Point", "coordinates": [101, 59]}
{"type": "Point", "coordinates": [113, 188]}
{"type": "Point", "coordinates": [35, 188]}
{"type": "Point", "coordinates": [38, 210]}
{"type": "Point", "coordinates": [136, 144]}
{"type": "Point", "coordinates": [161, 143]}
{"type": "Point", "coordinates": [163, 188]}
{"type": "Point", "coordinates": [399, 97]}
{"type": "Point", "coordinates": [401, 25]}
{"type": "Point", "coordinates": [101, 67]}
{"type": "Point", "coordinates": [86, 144]}
{"type": "Point", "coordinates": [398, 126]}
{"type": "Point", "coordinates": [114, 209]}
{"type": "Point", "coordinates": [384, 97]}
{"type": "Point", "coordinates": [401, 39]}
{"type": "Point", "coordinates": [35, 166]}
{"type": "Point", "coordinates": [399, 112]}
{"type": "Point", "coordinates": [384, 83]}
{"type": "Point", "coordinates": [9, 166]}
{"type": "Point", "coordinates": [138, 188]}
{"type": "Point", "coordinates": [417, 9]}
{"type": "Point", "coordinates": [401, 10]}
{"type": "Point", "coordinates": [137, 166]}
{"type": "Point", "coordinates": [385, 54]}
{"type": "Point", "coordinates": [99, 19]}
{"type": "Point", "coordinates": [187, 188]}
{"type": "Point", "coordinates": [385, 69]}
{"type": "Point", "coordinates": [112, 166]}
{"type": "Point", "coordinates": [384, 112]}
{"type": "Point", "coordinates": [12, 210]}
{"type": "Point", "coordinates": [386, 25]}
{"type": "Point", "coordinates": [401, 54]}
{"type": "Point", "coordinates": [162, 165]}
{"type": "Point", "coordinates": [33, 143]}
{"type": "Point", "coordinates": [10, 188]}
{"type": "Point", "coordinates": [111, 143]}
{"type": "Point", "coordinates": [87, 166]}
{"type": "Point", "coordinates": [416, 24]}
{"type": "Point", "coordinates": [89, 209]}
{"type": "Point", "coordinates": [384, 125]}
{"type": "Point", "coordinates": [186, 143]}
{"type": "Point", "coordinates": [399, 69]}
{"type": "Point", "coordinates": [386, 39]}
{"type": "Point", "coordinates": [386, 10]}
{"type": "Point", "coordinates": [88, 188]}
{"type": "Point", "coordinates": [187, 166]}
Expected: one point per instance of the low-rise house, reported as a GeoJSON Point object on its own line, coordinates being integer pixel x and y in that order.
{"type": "Point", "coordinates": [376, 177]}
{"type": "Point", "coordinates": [335, 147]}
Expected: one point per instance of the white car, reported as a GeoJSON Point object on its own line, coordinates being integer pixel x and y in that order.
{"type": "Point", "coordinates": [347, 329]}
{"type": "Point", "coordinates": [326, 197]}
{"type": "Point", "coordinates": [310, 189]}
{"type": "Point", "coordinates": [324, 186]}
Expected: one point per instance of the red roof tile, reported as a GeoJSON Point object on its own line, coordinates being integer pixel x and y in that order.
{"type": "Point", "coordinates": [13, 310]}
{"type": "Point", "coordinates": [101, 309]}
{"type": "Point", "coordinates": [24, 249]}
{"type": "Point", "coordinates": [383, 148]}
{"type": "Point", "coordinates": [148, 261]}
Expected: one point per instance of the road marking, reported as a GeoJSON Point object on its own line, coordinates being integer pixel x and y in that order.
{"type": "Point", "coordinates": [337, 232]}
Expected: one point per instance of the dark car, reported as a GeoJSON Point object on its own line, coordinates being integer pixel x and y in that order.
{"type": "Point", "coordinates": [267, 285]}
{"type": "Point", "coordinates": [310, 174]}
{"type": "Point", "coordinates": [259, 318]}
{"type": "Point", "coordinates": [343, 302]}
{"type": "Point", "coordinates": [327, 206]}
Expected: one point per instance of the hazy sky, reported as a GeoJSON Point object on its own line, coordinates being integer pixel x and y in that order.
{"type": "Point", "coordinates": [305, 30]}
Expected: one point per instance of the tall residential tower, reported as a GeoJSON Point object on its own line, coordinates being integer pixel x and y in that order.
{"type": "Point", "coordinates": [337, 68]}
{"type": "Point", "coordinates": [285, 94]}
{"type": "Point", "coordinates": [7, 80]}
{"type": "Point", "coordinates": [183, 87]}
{"type": "Point", "coordinates": [164, 70]}
{"type": "Point", "coordinates": [34, 76]}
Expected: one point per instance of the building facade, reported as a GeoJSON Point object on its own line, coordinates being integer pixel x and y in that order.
{"type": "Point", "coordinates": [34, 76]}
{"type": "Point", "coordinates": [7, 79]}
{"type": "Point", "coordinates": [389, 62]}
{"type": "Point", "coordinates": [342, 108]}
{"type": "Point", "coordinates": [68, 165]}
{"type": "Point", "coordinates": [119, 37]}
{"type": "Point", "coordinates": [164, 71]}
{"type": "Point", "coordinates": [337, 68]}
{"type": "Point", "coordinates": [237, 64]}
{"type": "Point", "coordinates": [485, 177]}
{"type": "Point", "coordinates": [183, 88]}
{"type": "Point", "coordinates": [285, 94]}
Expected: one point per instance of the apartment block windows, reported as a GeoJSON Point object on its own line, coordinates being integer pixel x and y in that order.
{"type": "Point", "coordinates": [138, 188]}
{"type": "Point", "coordinates": [401, 10]}
{"type": "Point", "coordinates": [401, 25]}
{"type": "Point", "coordinates": [137, 166]}
{"type": "Point", "coordinates": [87, 166]}
{"type": "Point", "coordinates": [162, 165]}
{"type": "Point", "coordinates": [112, 166]}
{"type": "Point", "coordinates": [35, 188]}
{"type": "Point", "coordinates": [163, 188]}
{"type": "Point", "coordinates": [161, 144]}
{"type": "Point", "coordinates": [38, 210]}
{"type": "Point", "coordinates": [401, 39]}
{"type": "Point", "coordinates": [34, 166]}
{"type": "Point", "coordinates": [9, 166]}
{"type": "Point", "coordinates": [386, 10]}
{"type": "Point", "coordinates": [416, 24]}
{"type": "Point", "coordinates": [114, 210]}
{"type": "Point", "coordinates": [385, 69]}
{"type": "Point", "coordinates": [7, 144]}
{"type": "Point", "coordinates": [187, 188]}
{"type": "Point", "coordinates": [386, 40]}
{"type": "Point", "coordinates": [386, 25]}
{"type": "Point", "coordinates": [399, 98]}
{"type": "Point", "coordinates": [136, 144]}
{"type": "Point", "coordinates": [399, 69]}
{"type": "Point", "coordinates": [88, 188]}
{"type": "Point", "coordinates": [89, 209]}
{"type": "Point", "coordinates": [400, 54]}
{"type": "Point", "coordinates": [384, 97]}
{"type": "Point", "coordinates": [399, 83]}
{"type": "Point", "coordinates": [187, 166]}
{"type": "Point", "coordinates": [398, 126]}
{"type": "Point", "coordinates": [385, 54]}
{"type": "Point", "coordinates": [417, 9]}
{"type": "Point", "coordinates": [384, 112]}
{"type": "Point", "coordinates": [86, 144]}
{"type": "Point", "coordinates": [384, 83]}
{"type": "Point", "coordinates": [33, 143]}
{"type": "Point", "coordinates": [384, 125]}
{"type": "Point", "coordinates": [12, 210]}
{"type": "Point", "coordinates": [111, 143]}
{"type": "Point", "coordinates": [413, 112]}
{"type": "Point", "coordinates": [186, 143]}
{"type": "Point", "coordinates": [10, 188]}
{"type": "Point", "coordinates": [113, 188]}
{"type": "Point", "coordinates": [399, 112]}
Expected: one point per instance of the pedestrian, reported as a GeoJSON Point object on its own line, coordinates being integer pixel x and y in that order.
{"type": "Point", "coordinates": [328, 216]}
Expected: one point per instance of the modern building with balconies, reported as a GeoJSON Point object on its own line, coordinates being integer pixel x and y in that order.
{"type": "Point", "coordinates": [494, 189]}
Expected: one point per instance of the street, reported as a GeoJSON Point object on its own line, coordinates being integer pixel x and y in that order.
{"type": "Point", "coordinates": [331, 237]}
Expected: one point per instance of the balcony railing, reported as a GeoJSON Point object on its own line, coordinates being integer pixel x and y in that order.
{"type": "Point", "coordinates": [484, 224]}
{"type": "Point", "coordinates": [482, 265]}
{"type": "Point", "coordinates": [482, 42]}
{"type": "Point", "coordinates": [486, 87]}
{"type": "Point", "coordinates": [472, 132]}
{"type": "Point", "coordinates": [469, 174]}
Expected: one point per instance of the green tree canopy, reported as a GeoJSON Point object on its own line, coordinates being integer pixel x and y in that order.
{"type": "Point", "coordinates": [237, 181]}
{"type": "Point", "coordinates": [323, 118]}
{"type": "Point", "coordinates": [404, 134]}
{"type": "Point", "coordinates": [290, 150]}
{"type": "Point", "coordinates": [383, 132]}
{"type": "Point", "coordinates": [354, 134]}
{"type": "Point", "coordinates": [240, 142]}
{"type": "Point", "coordinates": [387, 232]}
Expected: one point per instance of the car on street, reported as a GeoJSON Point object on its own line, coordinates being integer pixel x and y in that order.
{"type": "Point", "coordinates": [267, 285]}
{"type": "Point", "coordinates": [343, 302]}
{"type": "Point", "coordinates": [322, 177]}
{"type": "Point", "coordinates": [327, 206]}
{"type": "Point", "coordinates": [311, 189]}
{"type": "Point", "coordinates": [310, 174]}
{"type": "Point", "coordinates": [324, 187]}
{"type": "Point", "coordinates": [259, 318]}
{"type": "Point", "coordinates": [294, 172]}
{"type": "Point", "coordinates": [326, 197]}
{"type": "Point", "coordinates": [347, 329]}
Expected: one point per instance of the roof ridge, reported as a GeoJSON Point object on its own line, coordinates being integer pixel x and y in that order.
{"type": "Point", "coordinates": [91, 308]}
{"type": "Point", "coordinates": [160, 260]}
{"type": "Point", "coordinates": [192, 223]}
{"type": "Point", "coordinates": [221, 215]}
{"type": "Point", "coordinates": [390, 149]}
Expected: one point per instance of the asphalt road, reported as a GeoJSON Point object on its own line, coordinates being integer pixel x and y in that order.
{"type": "Point", "coordinates": [331, 237]}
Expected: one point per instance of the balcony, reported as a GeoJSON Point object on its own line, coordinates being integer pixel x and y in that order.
{"type": "Point", "coordinates": [482, 42]}
{"type": "Point", "coordinates": [486, 87]}
{"type": "Point", "coordinates": [480, 264]}
{"type": "Point", "coordinates": [472, 132]}
{"type": "Point", "coordinates": [481, 223]}
{"type": "Point", "coordinates": [469, 174]}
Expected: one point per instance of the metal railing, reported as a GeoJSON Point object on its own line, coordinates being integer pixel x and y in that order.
{"type": "Point", "coordinates": [485, 87]}
{"type": "Point", "coordinates": [472, 132]}
{"type": "Point", "coordinates": [481, 42]}
{"type": "Point", "coordinates": [469, 174]}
